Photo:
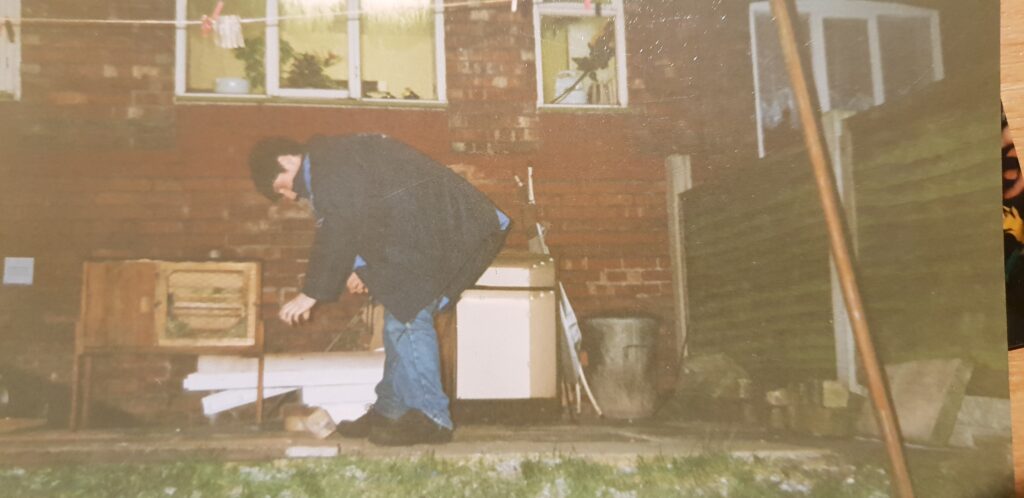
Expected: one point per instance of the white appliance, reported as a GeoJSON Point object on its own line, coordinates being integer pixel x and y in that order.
{"type": "Point", "coordinates": [506, 331]}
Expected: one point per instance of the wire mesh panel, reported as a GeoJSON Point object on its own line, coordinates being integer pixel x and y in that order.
{"type": "Point", "coordinates": [206, 304]}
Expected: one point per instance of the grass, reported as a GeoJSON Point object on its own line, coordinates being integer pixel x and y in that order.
{"type": "Point", "coordinates": [554, 477]}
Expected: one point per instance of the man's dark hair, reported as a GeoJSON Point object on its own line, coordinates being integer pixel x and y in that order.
{"type": "Point", "coordinates": [264, 166]}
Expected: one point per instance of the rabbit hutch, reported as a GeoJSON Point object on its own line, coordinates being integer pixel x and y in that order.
{"type": "Point", "coordinates": [165, 307]}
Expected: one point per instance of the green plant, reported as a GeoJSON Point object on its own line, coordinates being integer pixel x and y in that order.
{"type": "Point", "coordinates": [307, 71]}
{"type": "Point", "coordinates": [252, 54]}
{"type": "Point", "coordinates": [602, 49]}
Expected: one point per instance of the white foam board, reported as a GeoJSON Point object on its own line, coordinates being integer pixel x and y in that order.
{"type": "Point", "coordinates": [217, 382]}
{"type": "Point", "coordinates": [226, 400]}
{"type": "Point", "coordinates": [289, 362]}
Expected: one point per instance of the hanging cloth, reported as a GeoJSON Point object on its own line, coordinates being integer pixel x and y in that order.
{"type": "Point", "coordinates": [229, 32]}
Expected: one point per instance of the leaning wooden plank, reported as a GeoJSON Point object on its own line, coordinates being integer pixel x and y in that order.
{"type": "Point", "coordinates": [348, 393]}
{"type": "Point", "coordinates": [283, 362]}
{"type": "Point", "coordinates": [226, 400]}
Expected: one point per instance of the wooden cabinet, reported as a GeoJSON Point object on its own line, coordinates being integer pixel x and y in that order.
{"type": "Point", "coordinates": [147, 306]}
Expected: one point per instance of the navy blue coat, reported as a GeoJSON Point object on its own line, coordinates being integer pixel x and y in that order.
{"type": "Point", "coordinates": [423, 230]}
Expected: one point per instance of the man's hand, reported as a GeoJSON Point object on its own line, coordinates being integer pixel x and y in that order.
{"type": "Point", "coordinates": [297, 310]}
{"type": "Point", "coordinates": [355, 284]}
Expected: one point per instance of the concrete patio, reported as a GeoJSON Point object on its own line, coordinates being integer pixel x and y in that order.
{"type": "Point", "coordinates": [607, 443]}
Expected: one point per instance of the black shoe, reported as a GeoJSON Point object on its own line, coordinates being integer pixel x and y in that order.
{"type": "Point", "coordinates": [412, 428]}
{"type": "Point", "coordinates": [361, 427]}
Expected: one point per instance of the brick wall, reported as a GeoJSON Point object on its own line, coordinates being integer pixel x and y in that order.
{"type": "Point", "coordinates": [491, 80]}
{"type": "Point", "coordinates": [92, 178]}
{"type": "Point", "coordinates": [97, 87]}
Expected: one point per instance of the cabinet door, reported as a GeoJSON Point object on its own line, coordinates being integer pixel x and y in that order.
{"type": "Point", "coordinates": [117, 304]}
{"type": "Point", "coordinates": [506, 344]}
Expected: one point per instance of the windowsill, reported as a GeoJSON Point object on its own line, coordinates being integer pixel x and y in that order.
{"type": "Point", "coordinates": [212, 99]}
{"type": "Point", "coordinates": [582, 109]}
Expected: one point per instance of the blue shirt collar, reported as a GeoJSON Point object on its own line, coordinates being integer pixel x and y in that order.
{"type": "Point", "coordinates": [302, 184]}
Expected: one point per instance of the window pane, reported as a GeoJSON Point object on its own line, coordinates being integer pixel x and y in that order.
{"type": "Point", "coordinates": [211, 68]}
{"type": "Point", "coordinates": [314, 44]}
{"type": "Point", "coordinates": [397, 46]}
{"type": "Point", "coordinates": [848, 58]}
{"type": "Point", "coordinates": [906, 54]}
{"type": "Point", "coordinates": [578, 59]}
{"type": "Point", "coordinates": [10, 46]}
{"type": "Point", "coordinates": [780, 121]}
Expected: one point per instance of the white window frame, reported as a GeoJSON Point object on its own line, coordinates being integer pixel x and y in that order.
{"type": "Point", "coordinates": [566, 9]}
{"type": "Point", "coordinates": [272, 61]}
{"type": "Point", "coordinates": [10, 53]}
{"type": "Point", "coordinates": [820, 10]}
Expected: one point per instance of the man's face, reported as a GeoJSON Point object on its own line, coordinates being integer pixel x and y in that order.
{"type": "Point", "coordinates": [285, 181]}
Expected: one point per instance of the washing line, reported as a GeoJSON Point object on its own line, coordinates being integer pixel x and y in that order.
{"type": "Point", "coordinates": [252, 20]}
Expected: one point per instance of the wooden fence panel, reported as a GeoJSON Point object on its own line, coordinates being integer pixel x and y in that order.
{"type": "Point", "coordinates": [757, 271]}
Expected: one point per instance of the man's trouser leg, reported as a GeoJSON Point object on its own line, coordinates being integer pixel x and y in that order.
{"type": "Point", "coordinates": [412, 369]}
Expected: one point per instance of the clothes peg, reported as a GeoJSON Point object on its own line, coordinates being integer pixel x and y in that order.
{"type": "Point", "coordinates": [217, 9]}
{"type": "Point", "coordinates": [207, 21]}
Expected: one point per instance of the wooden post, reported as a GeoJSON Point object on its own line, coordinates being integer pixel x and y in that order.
{"type": "Point", "coordinates": [837, 135]}
{"type": "Point", "coordinates": [679, 180]}
{"type": "Point", "coordinates": [784, 12]}
{"type": "Point", "coordinates": [85, 401]}
{"type": "Point", "coordinates": [260, 368]}
{"type": "Point", "coordinates": [75, 386]}
{"type": "Point", "coordinates": [447, 340]}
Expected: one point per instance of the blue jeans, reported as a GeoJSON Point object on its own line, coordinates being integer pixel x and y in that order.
{"type": "Point", "coordinates": [412, 369]}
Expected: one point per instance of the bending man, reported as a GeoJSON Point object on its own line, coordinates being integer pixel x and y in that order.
{"type": "Point", "coordinates": [395, 223]}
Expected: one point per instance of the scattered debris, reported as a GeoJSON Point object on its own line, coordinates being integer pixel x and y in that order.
{"type": "Point", "coordinates": [927, 395]}
{"type": "Point", "coordinates": [816, 407]}
{"type": "Point", "coordinates": [778, 397]}
{"type": "Point", "coordinates": [834, 394]}
{"type": "Point", "coordinates": [714, 375]}
{"type": "Point", "coordinates": [980, 419]}
{"type": "Point", "coordinates": [311, 452]}
{"type": "Point", "coordinates": [319, 423]}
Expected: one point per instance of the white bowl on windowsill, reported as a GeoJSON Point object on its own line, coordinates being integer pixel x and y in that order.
{"type": "Point", "coordinates": [235, 86]}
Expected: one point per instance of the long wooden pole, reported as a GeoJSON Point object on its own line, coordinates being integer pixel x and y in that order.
{"type": "Point", "coordinates": [784, 12]}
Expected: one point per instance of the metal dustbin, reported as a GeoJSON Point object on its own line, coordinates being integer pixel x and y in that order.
{"type": "Point", "coordinates": [621, 353]}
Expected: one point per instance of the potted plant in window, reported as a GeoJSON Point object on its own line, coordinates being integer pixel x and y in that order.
{"type": "Point", "coordinates": [602, 49]}
{"type": "Point", "coordinates": [252, 55]}
{"type": "Point", "coordinates": [305, 69]}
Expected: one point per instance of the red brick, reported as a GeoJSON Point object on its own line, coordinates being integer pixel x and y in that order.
{"type": "Point", "coordinates": [657, 276]}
